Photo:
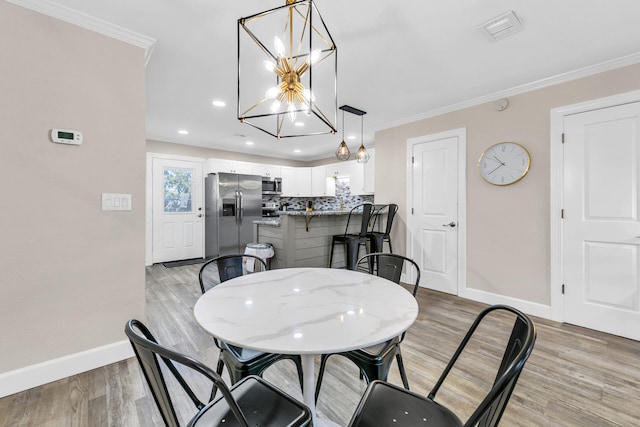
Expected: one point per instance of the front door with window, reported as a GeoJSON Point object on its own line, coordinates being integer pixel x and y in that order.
{"type": "Point", "coordinates": [177, 210]}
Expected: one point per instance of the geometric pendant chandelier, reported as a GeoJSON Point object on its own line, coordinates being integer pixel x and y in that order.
{"type": "Point", "coordinates": [287, 71]}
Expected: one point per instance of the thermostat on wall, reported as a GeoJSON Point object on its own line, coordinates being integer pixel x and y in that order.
{"type": "Point", "coordinates": [62, 136]}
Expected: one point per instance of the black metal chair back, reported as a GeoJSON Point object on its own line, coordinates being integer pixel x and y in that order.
{"type": "Point", "coordinates": [516, 353]}
{"type": "Point", "coordinates": [391, 210]}
{"type": "Point", "coordinates": [383, 402]}
{"type": "Point", "coordinates": [389, 266]}
{"type": "Point", "coordinates": [367, 209]}
{"type": "Point", "coordinates": [228, 267]}
{"type": "Point", "coordinates": [252, 401]}
{"type": "Point", "coordinates": [149, 353]}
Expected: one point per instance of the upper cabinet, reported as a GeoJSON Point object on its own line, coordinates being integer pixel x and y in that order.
{"type": "Point", "coordinates": [228, 166]}
{"type": "Point", "coordinates": [296, 182]}
{"type": "Point", "coordinates": [271, 171]}
{"type": "Point", "coordinates": [340, 169]}
{"type": "Point", "coordinates": [321, 184]}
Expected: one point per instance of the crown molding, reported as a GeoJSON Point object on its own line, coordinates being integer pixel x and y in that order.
{"type": "Point", "coordinates": [539, 84]}
{"type": "Point", "coordinates": [89, 22]}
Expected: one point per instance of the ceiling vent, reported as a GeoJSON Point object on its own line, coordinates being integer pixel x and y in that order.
{"type": "Point", "coordinates": [502, 26]}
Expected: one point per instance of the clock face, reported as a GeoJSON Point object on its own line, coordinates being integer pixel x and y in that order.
{"type": "Point", "coordinates": [504, 163]}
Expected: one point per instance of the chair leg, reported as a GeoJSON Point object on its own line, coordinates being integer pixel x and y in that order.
{"type": "Point", "coordinates": [333, 244]}
{"type": "Point", "coordinates": [403, 374]}
{"type": "Point", "coordinates": [298, 362]}
{"type": "Point", "coordinates": [390, 248]}
{"type": "Point", "coordinates": [323, 364]}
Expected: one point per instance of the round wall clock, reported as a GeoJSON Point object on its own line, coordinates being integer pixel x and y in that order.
{"type": "Point", "coordinates": [504, 163]}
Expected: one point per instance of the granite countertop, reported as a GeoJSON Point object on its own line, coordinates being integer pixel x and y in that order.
{"type": "Point", "coordinates": [316, 213]}
{"type": "Point", "coordinates": [275, 222]}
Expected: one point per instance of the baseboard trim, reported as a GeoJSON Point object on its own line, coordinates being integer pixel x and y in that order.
{"type": "Point", "coordinates": [52, 370]}
{"type": "Point", "coordinates": [528, 307]}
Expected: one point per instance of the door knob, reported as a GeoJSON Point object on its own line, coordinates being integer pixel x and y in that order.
{"type": "Point", "coordinates": [451, 224]}
{"type": "Point", "coordinates": [199, 215]}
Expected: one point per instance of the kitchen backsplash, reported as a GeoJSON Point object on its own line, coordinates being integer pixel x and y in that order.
{"type": "Point", "coordinates": [343, 193]}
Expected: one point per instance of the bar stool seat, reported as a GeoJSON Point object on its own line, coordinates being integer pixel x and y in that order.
{"type": "Point", "coordinates": [377, 238]}
{"type": "Point", "coordinates": [353, 241]}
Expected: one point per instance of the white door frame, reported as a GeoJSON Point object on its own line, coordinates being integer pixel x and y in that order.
{"type": "Point", "coordinates": [148, 255]}
{"type": "Point", "coordinates": [556, 163]}
{"type": "Point", "coordinates": [461, 134]}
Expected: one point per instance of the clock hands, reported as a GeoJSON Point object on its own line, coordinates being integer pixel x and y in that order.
{"type": "Point", "coordinates": [499, 161]}
{"type": "Point", "coordinates": [499, 166]}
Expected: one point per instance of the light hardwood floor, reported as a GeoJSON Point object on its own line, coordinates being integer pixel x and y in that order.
{"type": "Point", "coordinates": [575, 377]}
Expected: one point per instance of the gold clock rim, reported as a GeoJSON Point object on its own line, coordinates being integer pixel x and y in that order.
{"type": "Point", "coordinates": [526, 171]}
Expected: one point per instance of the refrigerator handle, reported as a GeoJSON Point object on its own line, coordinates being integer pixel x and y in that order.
{"type": "Point", "coordinates": [237, 206]}
{"type": "Point", "coordinates": [241, 207]}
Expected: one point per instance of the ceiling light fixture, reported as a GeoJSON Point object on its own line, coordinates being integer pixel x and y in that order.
{"type": "Point", "coordinates": [343, 153]}
{"type": "Point", "coordinates": [183, 132]}
{"type": "Point", "coordinates": [362, 156]}
{"type": "Point", "coordinates": [219, 103]}
{"type": "Point", "coordinates": [291, 46]}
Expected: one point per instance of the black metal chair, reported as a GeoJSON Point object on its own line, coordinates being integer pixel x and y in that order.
{"type": "Point", "coordinates": [374, 362]}
{"type": "Point", "coordinates": [240, 362]}
{"type": "Point", "coordinates": [252, 401]}
{"type": "Point", "coordinates": [386, 404]}
{"type": "Point", "coordinates": [377, 238]}
{"type": "Point", "coordinates": [352, 241]}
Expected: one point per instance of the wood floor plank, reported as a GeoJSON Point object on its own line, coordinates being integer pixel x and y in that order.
{"type": "Point", "coordinates": [575, 377]}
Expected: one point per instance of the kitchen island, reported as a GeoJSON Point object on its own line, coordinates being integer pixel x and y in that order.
{"type": "Point", "coordinates": [303, 238]}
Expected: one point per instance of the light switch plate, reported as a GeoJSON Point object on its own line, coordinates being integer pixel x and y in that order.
{"type": "Point", "coordinates": [116, 202]}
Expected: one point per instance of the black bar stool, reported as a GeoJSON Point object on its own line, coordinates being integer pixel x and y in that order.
{"type": "Point", "coordinates": [352, 242]}
{"type": "Point", "coordinates": [377, 238]}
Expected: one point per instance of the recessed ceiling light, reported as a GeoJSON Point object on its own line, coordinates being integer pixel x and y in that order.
{"type": "Point", "coordinates": [299, 124]}
{"type": "Point", "coordinates": [183, 132]}
{"type": "Point", "coordinates": [219, 103]}
{"type": "Point", "coordinates": [249, 142]}
{"type": "Point", "coordinates": [296, 151]}
{"type": "Point", "coordinates": [351, 137]}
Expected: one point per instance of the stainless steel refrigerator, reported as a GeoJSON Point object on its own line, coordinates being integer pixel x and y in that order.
{"type": "Point", "coordinates": [232, 203]}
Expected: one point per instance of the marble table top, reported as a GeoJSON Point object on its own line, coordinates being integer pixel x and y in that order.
{"type": "Point", "coordinates": [306, 310]}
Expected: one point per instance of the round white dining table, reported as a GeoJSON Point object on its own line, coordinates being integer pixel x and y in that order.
{"type": "Point", "coordinates": [306, 311]}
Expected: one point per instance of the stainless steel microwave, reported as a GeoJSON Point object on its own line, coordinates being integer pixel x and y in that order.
{"type": "Point", "coordinates": [271, 185]}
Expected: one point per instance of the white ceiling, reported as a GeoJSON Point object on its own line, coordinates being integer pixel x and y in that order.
{"type": "Point", "coordinates": [397, 60]}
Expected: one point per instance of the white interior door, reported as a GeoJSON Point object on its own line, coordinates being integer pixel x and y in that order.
{"type": "Point", "coordinates": [177, 210]}
{"type": "Point", "coordinates": [434, 216]}
{"type": "Point", "coordinates": [601, 230]}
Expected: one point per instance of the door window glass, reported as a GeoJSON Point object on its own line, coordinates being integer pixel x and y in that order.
{"type": "Point", "coordinates": [178, 184]}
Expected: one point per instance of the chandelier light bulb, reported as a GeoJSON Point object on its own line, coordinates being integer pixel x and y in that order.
{"type": "Point", "coordinates": [315, 55]}
{"type": "Point", "coordinates": [269, 65]}
{"type": "Point", "coordinates": [291, 111]}
{"type": "Point", "coordinates": [279, 46]}
{"type": "Point", "coordinates": [275, 107]}
{"type": "Point", "coordinates": [273, 92]}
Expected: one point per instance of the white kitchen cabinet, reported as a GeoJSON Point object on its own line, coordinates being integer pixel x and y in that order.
{"type": "Point", "coordinates": [228, 166]}
{"type": "Point", "coordinates": [271, 171]}
{"type": "Point", "coordinates": [321, 184]}
{"type": "Point", "coordinates": [341, 169]}
{"type": "Point", "coordinates": [296, 182]}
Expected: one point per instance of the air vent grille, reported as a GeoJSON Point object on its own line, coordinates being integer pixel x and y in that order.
{"type": "Point", "coordinates": [502, 26]}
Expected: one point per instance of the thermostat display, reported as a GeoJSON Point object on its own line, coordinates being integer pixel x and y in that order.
{"type": "Point", "coordinates": [62, 136]}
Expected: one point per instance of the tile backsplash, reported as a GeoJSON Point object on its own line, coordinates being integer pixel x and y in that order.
{"type": "Point", "coordinates": [343, 193]}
